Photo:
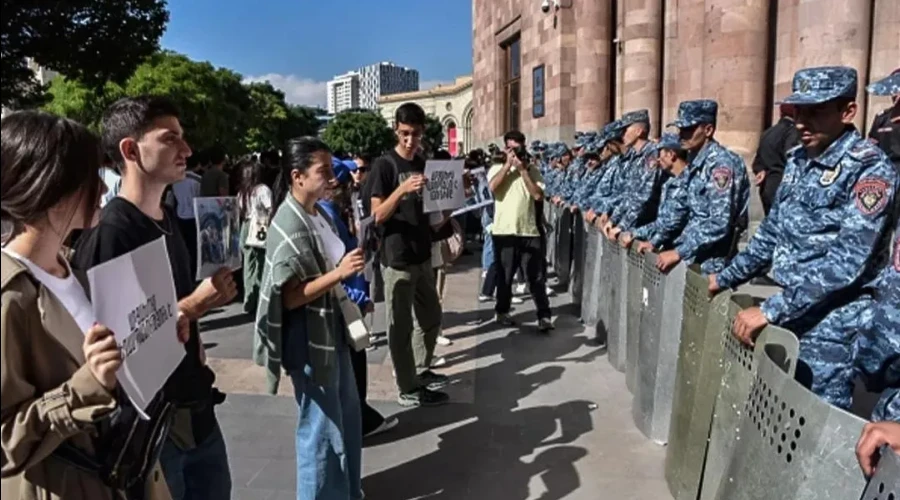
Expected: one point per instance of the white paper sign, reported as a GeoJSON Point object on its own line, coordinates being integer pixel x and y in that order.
{"type": "Point", "coordinates": [218, 222]}
{"type": "Point", "coordinates": [134, 296]}
{"type": "Point", "coordinates": [444, 185]}
{"type": "Point", "coordinates": [479, 194]}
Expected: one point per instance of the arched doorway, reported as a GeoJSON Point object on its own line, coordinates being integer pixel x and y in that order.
{"type": "Point", "coordinates": [468, 116]}
{"type": "Point", "coordinates": [452, 138]}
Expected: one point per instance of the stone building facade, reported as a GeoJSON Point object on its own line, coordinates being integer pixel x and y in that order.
{"type": "Point", "coordinates": [580, 64]}
{"type": "Point", "coordinates": [451, 104]}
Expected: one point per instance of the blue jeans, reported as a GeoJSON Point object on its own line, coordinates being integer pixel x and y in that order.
{"type": "Point", "coordinates": [487, 251]}
{"type": "Point", "coordinates": [329, 434]}
{"type": "Point", "coordinates": [201, 473]}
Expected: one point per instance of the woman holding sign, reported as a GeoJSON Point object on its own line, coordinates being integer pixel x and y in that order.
{"type": "Point", "coordinates": [59, 366]}
{"type": "Point", "coordinates": [302, 325]}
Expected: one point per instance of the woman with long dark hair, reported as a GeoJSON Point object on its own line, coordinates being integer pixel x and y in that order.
{"type": "Point", "coordinates": [59, 365]}
{"type": "Point", "coordinates": [255, 202]}
{"type": "Point", "coordinates": [305, 324]}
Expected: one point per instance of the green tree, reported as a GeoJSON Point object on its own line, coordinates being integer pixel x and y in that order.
{"type": "Point", "coordinates": [73, 99]}
{"type": "Point", "coordinates": [359, 132]}
{"type": "Point", "coordinates": [93, 41]}
{"type": "Point", "coordinates": [301, 121]}
{"type": "Point", "coordinates": [213, 102]}
{"type": "Point", "coordinates": [433, 138]}
{"type": "Point", "coordinates": [266, 118]}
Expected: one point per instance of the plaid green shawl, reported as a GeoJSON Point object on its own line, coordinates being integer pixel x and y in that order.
{"type": "Point", "coordinates": [294, 249]}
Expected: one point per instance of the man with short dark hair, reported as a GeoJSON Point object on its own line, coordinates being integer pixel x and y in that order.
{"type": "Point", "coordinates": [143, 137]}
{"type": "Point", "coordinates": [215, 180]}
{"type": "Point", "coordinates": [774, 144]}
{"type": "Point", "coordinates": [517, 185]}
{"type": "Point", "coordinates": [395, 186]}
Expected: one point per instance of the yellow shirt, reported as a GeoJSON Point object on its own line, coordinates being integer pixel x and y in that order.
{"type": "Point", "coordinates": [514, 211]}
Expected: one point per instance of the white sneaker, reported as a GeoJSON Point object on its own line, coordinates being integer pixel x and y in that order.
{"type": "Point", "coordinates": [519, 289]}
{"type": "Point", "coordinates": [439, 362]}
{"type": "Point", "coordinates": [550, 292]}
{"type": "Point", "coordinates": [442, 340]}
{"type": "Point", "coordinates": [485, 298]}
{"type": "Point", "coordinates": [517, 300]}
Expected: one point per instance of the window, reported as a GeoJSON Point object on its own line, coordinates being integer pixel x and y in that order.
{"type": "Point", "coordinates": [537, 92]}
{"type": "Point", "coordinates": [512, 56]}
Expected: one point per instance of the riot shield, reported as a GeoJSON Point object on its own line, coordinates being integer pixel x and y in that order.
{"type": "Point", "coordinates": [615, 333]}
{"type": "Point", "coordinates": [635, 273]}
{"type": "Point", "coordinates": [564, 247]}
{"type": "Point", "coordinates": [576, 281]}
{"type": "Point", "coordinates": [792, 443]}
{"type": "Point", "coordinates": [550, 216]}
{"type": "Point", "coordinates": [885, 483]}
{"type": "Point", "coordinates": [738, 368]}
{"type": "Point", "coordinates": [696, 384]}
{"type": "Point", "coordinates": [660, 333]}
{"type": "Point", "coordinates": [590, 295]}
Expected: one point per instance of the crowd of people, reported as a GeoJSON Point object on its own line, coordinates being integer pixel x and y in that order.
{"type": "Point", "coordinates": [74, 200]}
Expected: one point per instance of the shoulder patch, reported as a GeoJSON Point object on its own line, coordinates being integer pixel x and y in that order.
{"type": "Point", "coordinates": [866, 152]}
{"type": "Point", "coordinates": [722, 178]}
{"type": "Point", "coordinates": [650, 162]}
{"type": "Point", "coordinates": [871, 195]}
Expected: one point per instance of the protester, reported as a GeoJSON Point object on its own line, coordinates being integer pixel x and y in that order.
{"type": "Point", "coordinates": [336, 205]}
{"type": "Point", "coordinates": [181, 199]}
{"type": "Point", "coordinates": [215, 181]}
{"type": "Point", "coordinates": [826, 237]}
{"type": "Point", "coordinates": [516, 185]}
{"type": "Point", "coordinates": [59, 365]}
{"type": "Point", "coordinates": [301, 325]}
{"type": "Point", "coordinates": [771, 156]}
{"type": "Point", "coordinates": [395, 189]}
{"type": "Point", "coordinates": [143, 137]}
{"type": "Point", "coordinates": [255, 202]}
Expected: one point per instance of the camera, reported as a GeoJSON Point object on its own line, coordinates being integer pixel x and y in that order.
{"type": "Point", "coordinates": [522, 154]}
{"type": "Point", "coordinates": [545, 6]}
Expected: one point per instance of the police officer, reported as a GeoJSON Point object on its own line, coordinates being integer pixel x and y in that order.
{"type": "Point", "coordinates": [825, 236]}
{"type": "Point", "coordinates": [718, 194]}
{"type": "Point", "coordinates": [593, 172]}
{"type": "Point", "coordinates": [601, 204]}
{"type": "Point", "coordinates": [885, 129]}
{"type": "Point", "coordinates": [643, 178]}
{"type": "Point", "coordinates": [673, 211]}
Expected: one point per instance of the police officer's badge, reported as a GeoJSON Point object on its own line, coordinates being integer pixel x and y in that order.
{"type": "Point", "coordinates": [722, 177]}
{"type": "Point", "coordinates": [829, 176]}
{"type": "Point", "coordinates": [871, 195]}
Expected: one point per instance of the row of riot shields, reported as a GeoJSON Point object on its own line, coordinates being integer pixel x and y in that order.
{"type": "Point", "coordinates": [737, 424]}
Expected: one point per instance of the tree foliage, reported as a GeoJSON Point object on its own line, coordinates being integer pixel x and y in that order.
{"type": "Point", "coordinates": [216, 107]}
{"type": "Point", "coordinates": [92, 41]}
{"type": "Point", "coordinates": [433, 138]}
{"type": "Point", "coordinates": [359, 132]}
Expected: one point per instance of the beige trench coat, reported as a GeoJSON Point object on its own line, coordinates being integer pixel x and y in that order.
{"type": "Point", "coordinates": [48, 396]}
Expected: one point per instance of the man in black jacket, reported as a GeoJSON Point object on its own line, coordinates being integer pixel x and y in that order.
{"type": "Point", "coordinates": [768, 165]}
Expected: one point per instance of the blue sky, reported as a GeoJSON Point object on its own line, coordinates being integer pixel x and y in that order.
{"type": "Point", "coordinates": [300, 44]}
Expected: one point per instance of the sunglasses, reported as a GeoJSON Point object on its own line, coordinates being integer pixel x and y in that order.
{"type": "Point", "coordinates": [362, 170]}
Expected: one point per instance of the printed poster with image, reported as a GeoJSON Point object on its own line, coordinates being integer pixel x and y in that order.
{"type": "Point", "coordinates": [218, 222]}
{"type": "Point", "coordinates": [444, 188]}
{"type": "Point", "coordinates": [479, 193]}
{"type": "Point", "coordinates": [134, 296]}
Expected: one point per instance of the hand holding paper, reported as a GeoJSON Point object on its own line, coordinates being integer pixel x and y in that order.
{"type": "Point", "coordinates": [102, 355]}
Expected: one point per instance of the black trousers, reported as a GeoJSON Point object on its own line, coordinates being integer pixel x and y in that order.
{"type": "Point", "coordinates": [188, 228]}
{"type": "Point", "coordinates": [768, 189]}
{"type": "Point", "coordinates": [511, 252]}
{"type": "Point", "coordinates": [371, 419]}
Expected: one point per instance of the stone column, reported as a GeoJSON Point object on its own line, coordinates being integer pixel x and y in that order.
{"type": "Point", "coordinates": [593, 42]}
{"type": "Point", "coordinates": [885, 52]}
{"type": "Point", "coordinates": [642, 58]}
{"type": "Point", "coordinates": [683, 54]}
{"type": "Point", "coordinates": [823, 33]}
{"type": "Point", "coordinates": [735, 53]}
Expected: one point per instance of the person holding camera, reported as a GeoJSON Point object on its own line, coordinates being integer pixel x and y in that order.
{"type": "Point", "coordinates": [517, 186]}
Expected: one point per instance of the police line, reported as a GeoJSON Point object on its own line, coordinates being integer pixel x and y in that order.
{"type": "Point", "coordinates": [737, 423]}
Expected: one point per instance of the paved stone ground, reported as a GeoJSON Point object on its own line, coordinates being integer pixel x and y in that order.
{"type": "Point", "coordinates": [533, 417]}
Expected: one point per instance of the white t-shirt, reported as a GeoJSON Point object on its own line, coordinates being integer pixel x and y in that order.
{"type": "Point", "coordinates": [67, 290]}
{"type": "Point", "coordinates": [334, 247]}
{"type": "Point", "coordinates": [260, 204]}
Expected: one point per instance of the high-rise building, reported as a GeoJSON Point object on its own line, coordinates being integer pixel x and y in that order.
{"type": "Point", "coordinates": [343, 92]}
{"type": "Point", "coordinates": [384, 78]}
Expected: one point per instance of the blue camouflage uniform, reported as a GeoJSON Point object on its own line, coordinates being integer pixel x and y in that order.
{"type": "Point", "coordinates": [718, 195]}
{"type": "Point", "coordinates": [591, 178]}
{"type": "Point", "coordinates": [673, 210]}
{"type": "Point", "coordinates": [825, 239]}
{"type": "Point", "coordinates": [605, 191]}
{"type": "Point", "coordinates": [558, 175]}
{"type": "Point", "coordinates": [642, 181]}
